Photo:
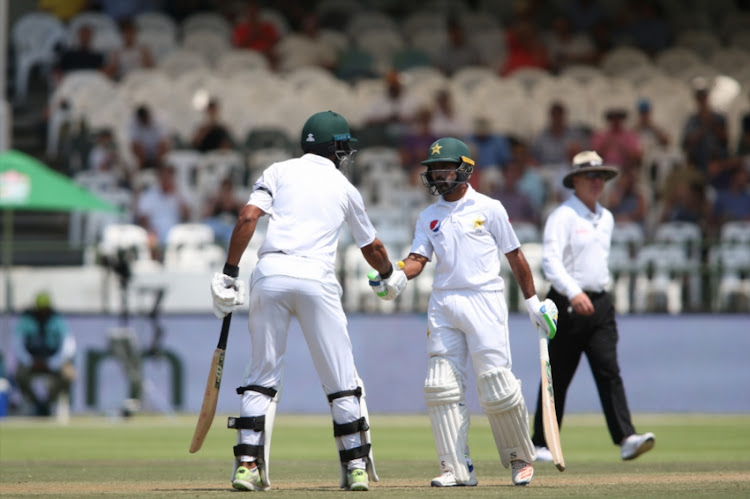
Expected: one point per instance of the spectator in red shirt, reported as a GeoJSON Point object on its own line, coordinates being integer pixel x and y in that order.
{"type": "Point", "coordinates": [252, 32]}
{"type": "Point", "coordinates": [616, 144]}
{"type": "Point", "coordinates": [525, 48]}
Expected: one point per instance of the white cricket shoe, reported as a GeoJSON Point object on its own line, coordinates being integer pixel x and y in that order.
{"type": "Point", "coordinates": [448, 479]}
{"type": "Point", "coordinates": [543, 455]}
{"type": "Point", "coordinates": [522, 472]}
{"type": "Point", "coordinates": [635, 445]}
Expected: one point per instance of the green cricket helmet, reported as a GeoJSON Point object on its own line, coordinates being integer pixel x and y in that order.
{"type": "Point", "coordinates": [447, 150]}
{"type": "Point", "coordinates": [327, 134]}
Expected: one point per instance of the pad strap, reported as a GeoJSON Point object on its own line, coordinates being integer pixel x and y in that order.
{"type": "Point", "coordinates": [341, 429]}
{"type": "Point", "coordinates": [248, 450]}
{"type": "Point", "coordinates": [255, 423]}
{"type": "Point", "coordinates": [357, 392]}
{"type": "Point", "coordinates": [256, 388]}
{"type": "Point", "coordinates": [347, 455]}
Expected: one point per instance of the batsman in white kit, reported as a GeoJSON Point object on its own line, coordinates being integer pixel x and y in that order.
{"type": "Point", "coordinates": [308, 200]}
{"type": "Point", "coordinates": [467, 315]}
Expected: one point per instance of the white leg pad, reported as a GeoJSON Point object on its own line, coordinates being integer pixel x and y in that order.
{"type": "Point", "coordinates": [501, 399]}
{"type": "Point", "coordinates": [444, 396]}
{"type": "Point", "coordinates": [364, 438]}
{"type": "Point", "coordinates": [265, 441]}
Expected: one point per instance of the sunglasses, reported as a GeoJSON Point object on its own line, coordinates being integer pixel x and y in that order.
{"type": "Point", "coordinates": [595, 175]}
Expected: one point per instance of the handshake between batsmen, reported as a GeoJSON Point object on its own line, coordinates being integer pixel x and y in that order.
{"type": "Point", "coordinates": [390, 286]}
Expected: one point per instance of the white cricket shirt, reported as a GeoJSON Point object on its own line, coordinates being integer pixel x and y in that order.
{"type": "Point", "coordinates": [466, 237]}
{"type": "Point", "coordinates": [575, 250]}
{"type": "Point", "coordinates": [308, 200]}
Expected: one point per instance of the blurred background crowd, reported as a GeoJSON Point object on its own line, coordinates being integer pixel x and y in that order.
{"type": "Point", "coordinates": [171, 109]}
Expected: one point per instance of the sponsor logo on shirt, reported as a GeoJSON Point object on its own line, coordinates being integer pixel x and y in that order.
{"type": "Point", "coordinates": [435, 226]}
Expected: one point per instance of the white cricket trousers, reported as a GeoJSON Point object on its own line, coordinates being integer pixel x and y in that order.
{"type": "Point", "coordinates": [317, 306]}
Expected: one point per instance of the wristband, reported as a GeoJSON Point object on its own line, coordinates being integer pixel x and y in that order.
{"type": "Point", "coordinates": [231, 270]}
{"type": "Point", "coordinates": [387, 274]}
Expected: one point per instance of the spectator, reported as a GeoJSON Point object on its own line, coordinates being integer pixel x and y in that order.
{"type": "Point", "coordinates": [492, 153]}
{"type": "Point", "coordinates": [732, 203]}
{"type": "Point", "coordinates": [525, 48]}
{"type": "Point", "coordinates": [685, 198]}
{"type": "Point", "coordinates": [131, 55]}
{"type": "Point", "coordinates": [649, 133]}
{"type": "Point", "coordinates": [393, 110]}
{"type": "Point", "coordinates": [584, 15]}
{"type": "Point", "coordinates": [566, 47]}
{"type": "Point", "coordinates": [516, 202]}
{"type": "Point", "coordinates": [704, 135]}
{"type": "Point", "coordinates": [104, 158]}
{"type": "Point", "coordinates": [212, 134]}
{"type": "Point", "coordinates": [253, 33]}
{"type": "Point", "coordinates": [531, 183]}
{"type": "Point", "coordinates": [743, 145]}
{"type": "Point", "coordinates": [627, 198]}
{"type": "Point", "coordinates": [161, 207]}
{"type": "Point", "coordinates": [43, 345]}
{"type": "Point", "coordinates": [148, 139]}
{"type": "Point", "coordinates": [222, 210]}
{"type": "Point", "coordinates": [307, 47]}
{"type": "Point", "coordinates": [458, 52]}
{"type": "Point", "coordinates": [414, 143]}
{"type": "Point", "coordinates": [554, 144]}
{"type": "Point", "coordinates": [445, 121]}
{"type": "Point", "coordinates": [80, 56]}
{"type": "Point", "coordinates": [616, 144]}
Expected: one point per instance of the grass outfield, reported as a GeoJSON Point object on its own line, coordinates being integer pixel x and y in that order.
{"type": "Point", "coordinates": [147, 456]}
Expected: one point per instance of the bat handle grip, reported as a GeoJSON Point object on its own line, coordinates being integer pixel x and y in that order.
{"type": "Point", "coordinates": [224, 331]}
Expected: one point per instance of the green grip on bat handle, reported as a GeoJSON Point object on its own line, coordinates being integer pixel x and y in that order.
{"type": "Point", "coordinates": [550, 324]}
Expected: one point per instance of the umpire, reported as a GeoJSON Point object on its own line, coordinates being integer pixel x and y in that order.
{"type": "Point", "coordinates": [577, 237]}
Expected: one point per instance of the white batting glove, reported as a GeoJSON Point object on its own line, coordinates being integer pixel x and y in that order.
{"type": "Point", "coordinates": [227, 292]}
{"type": "Point", "coordinates": [388, 289]}
{"type": "Point", "coordinates": [543, 315]}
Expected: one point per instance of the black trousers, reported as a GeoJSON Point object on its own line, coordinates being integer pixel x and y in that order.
{"type": "Point", "coordinates": [596, 336]}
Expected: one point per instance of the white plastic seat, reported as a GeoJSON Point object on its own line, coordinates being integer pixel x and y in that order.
{"type": "Point", "coordinates": [358, 296]}
{"type": "Point", "coordinates": [527, 232]}
{"type": "Point", "coordinates": [658, 283]}
{"type": "Point", "coordinates": [621, 268]}
{"type": "Point", "coordinates": [366, 20]}
{"type": "Point", "coordinates": [106, 34]}
{"type": "Point", "coordinates": [181, 61]}
{"type": "Point", "coordinates": [160, 43]}
{"type": "Point", "coordinates": [34, 37]}
{"type": "Point", "coordinates": [703, 43]}
{"type": "Point", "coordinates": [424, 21]}
{"type": "Point", "coordinates": [730, 266]}
{"type": "Point", "coordinates": [675, 58]}
{"type": "Point", "coordinates": [736, 232]}
{"type": "Point", "coordinates": [277, 19]}
{"type": "Point", "coordinates": [190, 246]}
{"type": "Point", "coordinates": [234, 61]}
{"type": "Point", "coordinates": [623, 58]}
{"type": "Point", "coordinates": [155, 21]}
{"type": "Point", "coordinates": [431, 43]}
{"type": "Point", "coordinates": [206, 21]}
{"type": "Point", "coordinates": [210, 44]}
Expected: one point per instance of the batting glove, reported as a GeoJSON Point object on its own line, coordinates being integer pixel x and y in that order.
{"type": "Point", "coordinates": [543, 315]}
{"type": "Point", "coordinates": [227, 292]}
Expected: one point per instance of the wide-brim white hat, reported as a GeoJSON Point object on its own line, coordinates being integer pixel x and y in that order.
{"type": "Point", "coordinates": [589, 161]}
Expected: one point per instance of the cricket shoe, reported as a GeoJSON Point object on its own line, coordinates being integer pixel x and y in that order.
{"type": "Point", "coordinates": [635, 445]}
{"type": "Point", "coordinates": [448, 479]}
{"type": "Point", "coordinates": [248, 479]}
{"type": "Point", "coordinates": [543, 455]}
{"type": "Point", "coordinates": [357, 480]}
{"type": "Point", "coordinates": [522, 472]}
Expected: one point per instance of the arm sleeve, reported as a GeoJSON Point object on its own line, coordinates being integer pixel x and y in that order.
{"type": "Point", "coordinates": [23, 356]}
{"type": "Point", "coordinates": [263, 189]}
{"type": "Point", "coordinates": [421, 244]}
{"type": "Point", "coordinates": [359, 223]}
{"type": "Point", "coordinates": [553, 247]}
{"type": "Point", "coordinates": [500, 227]}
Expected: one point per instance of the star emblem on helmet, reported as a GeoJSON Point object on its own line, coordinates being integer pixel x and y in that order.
{"type": "Point", "coordinates": [436, 149]}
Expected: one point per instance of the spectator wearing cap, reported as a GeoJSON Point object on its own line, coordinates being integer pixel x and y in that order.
{"type": "Point", "coordinates": [705, 136]}
{"type": "Point", "coordinates": [616, 144]}
{"type": "Point", "coordinates": [650, 134]}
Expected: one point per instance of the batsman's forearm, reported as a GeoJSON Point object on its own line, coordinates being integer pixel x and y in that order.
{"type": "Point", "coordinates": [377, 256]}
{"type": "Point", "coordinates": [520, 268]}
{"type": "Point", "coordinates": [243, 233]}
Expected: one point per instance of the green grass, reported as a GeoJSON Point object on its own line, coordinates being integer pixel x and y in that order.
{"type": "Point", "coordinates": [147, 456]}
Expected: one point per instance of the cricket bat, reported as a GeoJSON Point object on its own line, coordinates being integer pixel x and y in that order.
{"type": "Point", "coordinates": [211, 395]}
{"type": "Point", "coordinates": [549, 415]}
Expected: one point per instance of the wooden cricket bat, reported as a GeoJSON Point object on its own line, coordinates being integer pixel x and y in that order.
{"type": "Point", "coordinates": [211, 396]}
{"type": "Point", "coordinates": [549, 415]}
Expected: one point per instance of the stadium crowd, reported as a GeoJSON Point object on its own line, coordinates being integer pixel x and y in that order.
{"type": "Point", "coordinates": [207, 94]}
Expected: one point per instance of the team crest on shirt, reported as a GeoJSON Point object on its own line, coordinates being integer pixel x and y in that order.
{"type": "Point", "coordinates": [478, 225]}
{"type": "Point", "coordinates": [435, 226]}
